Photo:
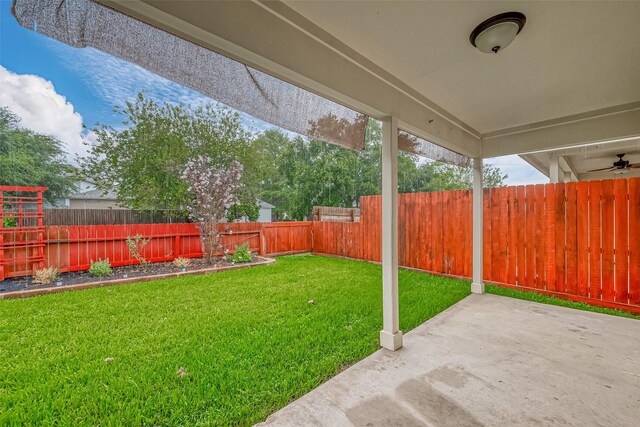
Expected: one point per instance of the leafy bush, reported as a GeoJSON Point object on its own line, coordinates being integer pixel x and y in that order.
{"type": "Point", "coordinates": [241, 254]}
{"type": "Point", "coordinates": [9, 222]}
{"type": "Point", "coordinates": [44, 276]}
{"type": "Point", "coordinates": [100, 268]}
{"type": "Point", "coordinates": [181, 262]}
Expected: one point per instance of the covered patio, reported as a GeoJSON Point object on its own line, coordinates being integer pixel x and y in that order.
{"type": "Point", "coordinates": [562, 75]}
{"type": "Point", "coordinates": [568, 80]}
{"type": "Point", "coordinates": [489, 360]}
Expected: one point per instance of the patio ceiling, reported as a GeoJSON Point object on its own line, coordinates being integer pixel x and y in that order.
{"type": "Point", "coordinates": [570, 77]}
{"type": "Point", "coordinates": [579, 161]}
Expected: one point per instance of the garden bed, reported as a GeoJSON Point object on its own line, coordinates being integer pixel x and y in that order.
{"type": "Point", "coordinates": [21, 287]}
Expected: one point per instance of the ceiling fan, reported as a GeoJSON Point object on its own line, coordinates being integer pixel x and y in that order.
{"type": "Point", "coordinates": [619, 166]}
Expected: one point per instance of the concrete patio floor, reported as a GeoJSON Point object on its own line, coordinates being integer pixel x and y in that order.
{"type": "Point", "coordinates": [489, 360]}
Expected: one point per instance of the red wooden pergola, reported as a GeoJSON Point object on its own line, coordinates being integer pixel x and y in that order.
{"type": "Point", "coordinates": [21, 229]}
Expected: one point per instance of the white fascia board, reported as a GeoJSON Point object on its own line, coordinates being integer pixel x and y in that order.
{"type": "Point", "coordinates": [275, 39]}
{"type": "Point", "coordinates": [609, 125]}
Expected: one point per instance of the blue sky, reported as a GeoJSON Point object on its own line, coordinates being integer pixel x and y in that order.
{"type": "Point", "coordinates": [56, 89]}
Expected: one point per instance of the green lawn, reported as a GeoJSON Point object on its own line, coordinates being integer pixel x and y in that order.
{"type": "Point", "coordinates": [248, 340]}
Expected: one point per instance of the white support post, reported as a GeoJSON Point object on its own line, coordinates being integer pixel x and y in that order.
{"type": "Point", "coordinates": [554, 168]}
{"type": "Point", "coordinates": [477, 286]}
{"type": "Point", "coordinates": [390, 335]}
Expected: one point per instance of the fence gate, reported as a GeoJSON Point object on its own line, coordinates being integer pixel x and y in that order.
{"type": "Point", "coordinates": [21, 230]}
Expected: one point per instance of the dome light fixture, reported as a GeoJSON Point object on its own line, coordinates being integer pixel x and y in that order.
{"type": "Point", "coordinates": [497, 32]}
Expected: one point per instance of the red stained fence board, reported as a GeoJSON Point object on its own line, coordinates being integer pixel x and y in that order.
{"type": "Point", "coordinates": [549, 238]}
{"type": "Point", "coordinates": [576, 241]}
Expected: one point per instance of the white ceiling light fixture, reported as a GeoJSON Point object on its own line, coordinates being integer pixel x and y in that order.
{"type": "Point", "coordinates": [497, 32]}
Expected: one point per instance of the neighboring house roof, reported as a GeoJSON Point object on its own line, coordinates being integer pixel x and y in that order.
{"type": "Point", "coordinates": [94, 195]}
{"type": "Point", "coordinates": [264, 204]}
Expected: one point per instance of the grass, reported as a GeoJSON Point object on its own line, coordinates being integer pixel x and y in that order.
{"type": "Point", "coordinates": [544, 299]}
{"type": "Point", "coordinates": [248, 341]}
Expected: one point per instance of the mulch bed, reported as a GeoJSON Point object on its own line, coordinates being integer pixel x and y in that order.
{"type": "Point", "coordinates": [121, 273]}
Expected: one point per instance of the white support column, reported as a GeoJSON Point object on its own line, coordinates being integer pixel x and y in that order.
{"type": "Point", "coordinates": [554, 168]}
{"type": "Point", "coordinates": [477, 285]}
{"type": "Point", "coordinates": [390, 335]}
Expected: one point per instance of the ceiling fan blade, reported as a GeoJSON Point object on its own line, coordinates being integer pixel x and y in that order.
{"type": "Point", "coordinates": [634, 165]}
{"type": "Point", "coordinates": [609, 169]}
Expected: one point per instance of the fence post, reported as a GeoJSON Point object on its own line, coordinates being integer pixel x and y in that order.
{"type": "Point", "coordinates": [176, 246]}
{"type": "Point", "coordinates": [261, 250]}
{"type": "Point", "coordinates": [40, 231]}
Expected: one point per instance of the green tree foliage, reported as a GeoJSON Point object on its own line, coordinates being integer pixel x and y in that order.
{"type": "Point", "coordinates": [450, 177]}
{"type": "Point", "coordinates": [144, 159]}
{"type": "Point", "coordinates": [303, 173]}
{"type": "Point", "coordinates": [143, 162]}
{"type": "Point", "coordinates": [250, 211]}
{"type": "Point", "coordinates": [32, 159]}
{"type": "Point", "coordinates": [272, 150]}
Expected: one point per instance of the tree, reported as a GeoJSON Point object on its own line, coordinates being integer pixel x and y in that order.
{"type": "Point", "coordinates": [271, 149]}
{"type": "Point", "coordinates": [450, 177]}
{"type": "Point", "coordinates": [250, 211]}
{"type": "Point", "coordinates": [307, 172]}
{"type": "Point", "coordinates": [213, 190]}
{"type": "Point", "coordinates": [143, 161]}
{"type": "Point", "coordinates": [301, 173]}
{"type": "Point", "coordinates": [32, 159]}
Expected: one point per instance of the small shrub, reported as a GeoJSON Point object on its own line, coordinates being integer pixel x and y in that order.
{"type": "Point", "coordinates": [100, 268]}
{"type": "Point", "coordinates": [44, 276]}
{"type": "Point", "coordinates": [241, 254]}
{"type": "Point", "coordinates": [9, 222]}
{"type": "Point", "coordinates": [181, 262]}
{"type": "Point", "coordinates": [136, 244]}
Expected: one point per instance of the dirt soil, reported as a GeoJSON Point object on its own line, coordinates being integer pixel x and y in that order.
{"type": "Point", "coordinates": [79, 277]}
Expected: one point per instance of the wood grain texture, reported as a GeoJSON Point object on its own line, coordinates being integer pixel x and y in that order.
{"type": "Point", "coordinates": [575, 239]}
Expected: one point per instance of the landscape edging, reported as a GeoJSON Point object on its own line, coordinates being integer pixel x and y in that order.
{"type": "Point", "coordinates": [27, 293]}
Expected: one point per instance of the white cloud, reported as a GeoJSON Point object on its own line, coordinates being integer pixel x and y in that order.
{"type": "Point", "coordinates": [519, 171]}
{"type": "Point", "coordinates": [116, 81]}
{"type": "Point", "coordinates": [41, 109]}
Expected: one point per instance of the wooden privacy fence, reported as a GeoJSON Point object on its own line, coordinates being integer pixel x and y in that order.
{"type": "Point", "coordinates": [576, 239]}
{"type": "Point", "coordinates": [280, 238]}
{"type": "Point", "coordinates": [434, 232]}
{"type": "Point", "coordinates": [72, 248]}
{"type": "Point", "coordinates": [65, 216]}
{"type": "Point", "coordinates": [579, 241]}
{"type": "Point", "coordinates": [330, 213]}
